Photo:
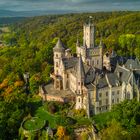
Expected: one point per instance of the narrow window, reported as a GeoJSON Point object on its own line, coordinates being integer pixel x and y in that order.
{"type": "Point", "coordinates": [106, 93]}
{"type": "Point", "coordinates": [100, 103]}
{"type": "Point", "coordinates": [113, 101]}
{"type": "Point", "coordinates": [100, 95]}
{"type": "Point", "coordinates": [56, 55]}
{"type": "Point", "coordinates": [79, 99]}
{"type": "Point", "coordinates": [56, 64]}
{"type": "Point", "coordinates": [97, 62]}
{"type": "Point", "coordinates": [113, 93]}
{"type": "Point", "coordinates": [106, 101]}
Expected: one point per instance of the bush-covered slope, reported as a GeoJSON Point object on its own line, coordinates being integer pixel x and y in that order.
{"type": "Point", "coordinates": [28, 47]}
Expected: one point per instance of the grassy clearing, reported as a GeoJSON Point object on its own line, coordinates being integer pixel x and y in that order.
{"type": "Point", "coordinates": [33, 124]}
{"type": "Point", "coordinates": [44, 115]}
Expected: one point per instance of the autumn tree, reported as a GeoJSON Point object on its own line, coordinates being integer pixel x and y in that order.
{"type": "Point", "coordinates": [61, 132]}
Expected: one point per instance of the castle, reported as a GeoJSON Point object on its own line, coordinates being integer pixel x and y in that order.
{"type": "Point", "coordinates": [97, 80]}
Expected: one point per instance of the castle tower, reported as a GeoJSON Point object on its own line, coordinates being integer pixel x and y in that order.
{"type": "Point", "coordinates": [80, 83]}
{"type": "Point", "coordinates": [89, 35]}
{"type": "Point", "coordinates": [59, 52]}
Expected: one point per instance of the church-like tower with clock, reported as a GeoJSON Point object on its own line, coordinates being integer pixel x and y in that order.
{"type": "Point", "coordinates": [91, 53]}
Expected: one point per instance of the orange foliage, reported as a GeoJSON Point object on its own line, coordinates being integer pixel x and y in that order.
{"type": "Point", "coordinates": [9, 89]}
{"type": "Point", "coordinates": [67, 138]}
{"type": "Point", "coordinates": [37, 78]}
{"type": "Point", "coordinates": [61, 131]}
{"type": "Point", "coordinates": [18, 83]}
{"type": "Point", "coordinates": [4, 84]}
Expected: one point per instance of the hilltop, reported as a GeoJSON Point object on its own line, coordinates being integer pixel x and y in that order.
{"type": "Point", "coordinates": [28, 48]}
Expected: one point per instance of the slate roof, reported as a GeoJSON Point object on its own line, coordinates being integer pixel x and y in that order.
{"type": "Point", "coordinates": [59, 46]}
{"type": "Point", "coordinates": [90, 75]}
{"type": "Point", "coordinates": [69, 62]}
{"type": "Point", "coordinates": [80, 68]}
{"type": "Point", "coordinates": [132, 64]}
{"type": "Point", "coordinates": [113, 79]}
{"type": "Point", "coordinates": [124, 73]}
{"type": "Point", "coordinates": [90, 86]}
{"type": "Point", "coordinates": [102, 82]}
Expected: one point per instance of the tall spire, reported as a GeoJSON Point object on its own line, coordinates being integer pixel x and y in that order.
{"type": "Point", "coordinates": [80, 68]}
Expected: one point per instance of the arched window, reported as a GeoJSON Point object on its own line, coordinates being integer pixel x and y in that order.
{"type": "Point", "coordinates": [56, 55]}
{"type": "Point", "coordinates": [97, 62]}
{"type": "Point", "coordinates": [56, 64]}
{"type": "Point", "coordinates": [79, 99]}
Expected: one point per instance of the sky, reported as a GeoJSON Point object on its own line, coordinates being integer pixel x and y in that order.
{"type": "Point", "coordinates": [69, 5]}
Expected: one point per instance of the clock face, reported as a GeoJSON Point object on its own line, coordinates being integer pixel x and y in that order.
{"type": "Point", "coordinates": [93, 53]}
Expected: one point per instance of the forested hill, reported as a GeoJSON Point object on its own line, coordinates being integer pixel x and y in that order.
{"type": "Point", "coordinates": [10, 20]}
{"type": "Point", "coordinates": [30, 42]}
{"type": "Point", "coordinates": [28, 45]}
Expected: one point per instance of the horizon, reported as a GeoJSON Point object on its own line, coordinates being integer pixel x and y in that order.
{"type": "Point", "coordinates": [45, 7]}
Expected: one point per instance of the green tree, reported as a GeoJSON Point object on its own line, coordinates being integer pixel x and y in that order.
{"type": "Point", "coordinates": [113, 132]}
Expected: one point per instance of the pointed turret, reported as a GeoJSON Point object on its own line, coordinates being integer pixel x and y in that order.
{"type": "Point", "coordinates": [59, 46]}
{"type": "Point", "coordinates": [80, 69]}
{"type": "Point", "coordinates": [80, 83]}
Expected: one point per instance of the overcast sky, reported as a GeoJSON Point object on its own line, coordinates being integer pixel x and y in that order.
{"type": "Point", "coordinates": [69, 5]}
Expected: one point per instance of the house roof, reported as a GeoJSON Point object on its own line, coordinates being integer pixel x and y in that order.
{"type": "Point", "coordinates": [132, 64]}
{"type": "Point", "coordinates": [69, 62]}
{"type": "Point", "coordinates": [80, 68]}
{"type": "Point", "coordinates": [113, 79]}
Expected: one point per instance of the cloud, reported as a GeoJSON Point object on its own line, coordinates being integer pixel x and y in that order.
{"type": "Point", "coordinates": [71, 5]}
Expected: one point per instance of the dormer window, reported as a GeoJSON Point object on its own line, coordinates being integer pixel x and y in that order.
{"type": "Point", "coordinates": [119, 74]}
